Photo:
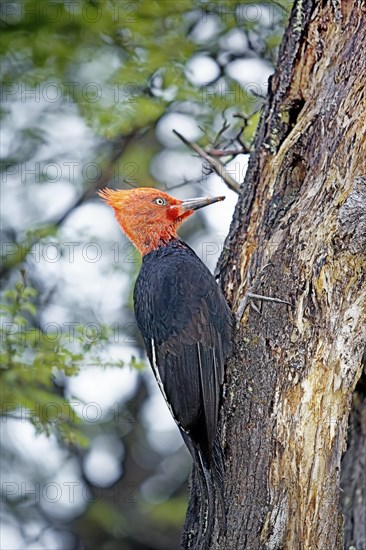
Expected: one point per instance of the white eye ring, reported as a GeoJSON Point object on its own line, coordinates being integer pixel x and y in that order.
{"type": "Point", "coordinates": [160, 201]}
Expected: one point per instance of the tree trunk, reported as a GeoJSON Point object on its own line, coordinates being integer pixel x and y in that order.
{"type": "Point", "coordinates": [353, 471]}
{"type": "Point", "coordinates": [299, 234]}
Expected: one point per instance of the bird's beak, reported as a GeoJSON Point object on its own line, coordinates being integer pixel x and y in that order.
{"type": "Point", "coordinates": [200, 202]}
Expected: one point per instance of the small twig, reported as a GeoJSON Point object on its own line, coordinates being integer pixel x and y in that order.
{"type": "Point", "coordinates": [243, 117]}
{"type": "Point", "coordinates": [224, 152]}
{"type": "Point", "coordinates": [182, 183]}
{"type": "Point", "coordinates": [251, 296]}
{"type": "Point", "coordinates": [267, 298]}
{"type": "Point", "coordinates": [214, 163]}
{"type": "Point", "coordinates": [238, 137]}
{"type": "Point", "coordinates": [225, 126]}
{"type": "Point", "coordinates": [256, 309]}
{"type": "Point", "coordinates": [239, 140]}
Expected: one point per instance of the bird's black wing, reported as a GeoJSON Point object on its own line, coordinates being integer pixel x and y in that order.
{"type": "Point", "coordinates": [186, 325]}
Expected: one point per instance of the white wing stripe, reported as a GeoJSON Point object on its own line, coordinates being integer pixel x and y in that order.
{"type": "Point", "coordinates": [160, 383]}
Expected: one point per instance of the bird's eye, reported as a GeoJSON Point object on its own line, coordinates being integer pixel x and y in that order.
{"type": "Point", "coordinates": [160, 201]}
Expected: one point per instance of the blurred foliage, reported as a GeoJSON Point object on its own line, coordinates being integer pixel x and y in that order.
{"type": "Point", "coordinates": [143, 47]}
{"type": "Point", "coordinates": [124, 64]}
{"type": "Point", "coordinates": [31, 359]}
{"type": "Point", "coordinates": [119, 67]}
{"type": "Point", "coordinates": [28, 360]}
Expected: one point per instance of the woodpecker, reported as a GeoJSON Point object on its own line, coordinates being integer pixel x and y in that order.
{"type": "Point", "coordinates": [186, 326]}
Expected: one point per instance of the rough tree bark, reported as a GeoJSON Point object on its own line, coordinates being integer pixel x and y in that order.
{"type": "Point", "coordinates": [299, 233]}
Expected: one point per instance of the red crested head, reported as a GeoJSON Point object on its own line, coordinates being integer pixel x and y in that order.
{"type": "Point", "coordinates": [149, 217]}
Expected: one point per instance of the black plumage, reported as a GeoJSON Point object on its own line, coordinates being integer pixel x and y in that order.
{"type": "Point", "coordinates": [186, 325]}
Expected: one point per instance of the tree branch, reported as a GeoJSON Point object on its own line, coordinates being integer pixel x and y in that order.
{"type": "Point", "coordinates": [217, 166]}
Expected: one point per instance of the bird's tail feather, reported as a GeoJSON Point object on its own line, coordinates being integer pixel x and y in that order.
{"type": "Point", "coordinates": [207, 501]}
{"type": "Point", "coordinates": [211, 480]}
{"type": "Point", "coordinates": [210, 476]}
{"type": "Point", "coordinates": [218, 474]}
